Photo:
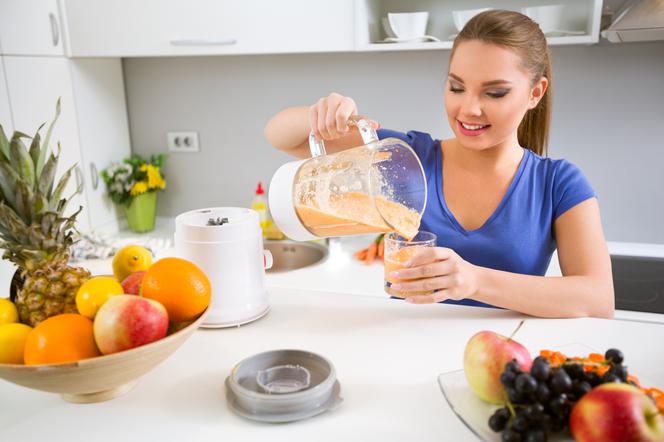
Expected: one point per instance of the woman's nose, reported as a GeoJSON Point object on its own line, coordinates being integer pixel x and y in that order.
{"type": "Point", "coordinates": [471, 106]}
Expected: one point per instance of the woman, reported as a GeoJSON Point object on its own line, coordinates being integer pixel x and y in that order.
{"type": "Point", "coordinates": [498, 206]}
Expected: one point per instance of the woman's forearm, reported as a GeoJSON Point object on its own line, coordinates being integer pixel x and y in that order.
{"type": "Point", "coordinates": [552, 297]}
{"type": "Point", "coordinates": [288, 129]}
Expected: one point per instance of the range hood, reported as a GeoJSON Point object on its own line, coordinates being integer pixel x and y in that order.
{"type": "Point", "coordinates": [639, 20]}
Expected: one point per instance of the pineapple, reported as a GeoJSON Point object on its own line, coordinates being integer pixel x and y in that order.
{"type": "Point", "coordinates": [34, 232]}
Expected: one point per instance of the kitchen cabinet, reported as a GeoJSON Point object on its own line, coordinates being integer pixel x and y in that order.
{"type": "Point", "coordinates": [92, 129]}
{"type": "Point", "coordinates": [127, 28]}
{"type": "Point", "coordinates": [579, 21]}
{"type": "Point", "coordinates": [31, 27]}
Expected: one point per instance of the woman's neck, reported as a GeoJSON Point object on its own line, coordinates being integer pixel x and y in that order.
{"type": "Point", "coordinates": [494, 159]}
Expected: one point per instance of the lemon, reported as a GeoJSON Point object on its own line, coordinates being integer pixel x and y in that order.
{"type": "Point", "coordinates": [94, 293]}
{"type": "Point", "coordinates": [8, 312]}
{"type": "Point", "coordinates": [131, 259]}
{"type": "Point", "coordinates": [12, 342]}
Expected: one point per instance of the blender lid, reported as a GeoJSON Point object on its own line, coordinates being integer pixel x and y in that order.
{"type": "Point", "coordinates": [282, 386]}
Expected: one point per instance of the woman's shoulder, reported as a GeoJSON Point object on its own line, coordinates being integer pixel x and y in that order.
{"type": "Point", "coordinates": [553, 168]}
{"type": "Point", "coordinates": [566, 183]}
{"type": "Point", "coordinates": [411, 136]}
{"type": "Point", "coordinates": [424, 145]}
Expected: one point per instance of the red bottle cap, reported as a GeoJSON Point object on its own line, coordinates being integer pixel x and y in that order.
{"type": "Point", "coordinates": [259, 189]}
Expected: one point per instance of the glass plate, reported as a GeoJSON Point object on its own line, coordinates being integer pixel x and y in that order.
{"type": "Point", "coordinates": [475, 413]}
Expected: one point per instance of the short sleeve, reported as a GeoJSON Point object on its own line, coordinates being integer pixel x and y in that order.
{"type": "Point", "coordinates": [421, 142]}
{"type": "Point", "coordinates": [570, 188]}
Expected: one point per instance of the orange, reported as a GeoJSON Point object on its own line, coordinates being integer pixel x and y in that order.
{"type": "Point", "coordinates": [180, 286]}
{"type": "Point", "coordinates": [62, 338]}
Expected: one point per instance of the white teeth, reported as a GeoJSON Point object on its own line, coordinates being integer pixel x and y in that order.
{"type": "Point", "coordinates": [472, 127]}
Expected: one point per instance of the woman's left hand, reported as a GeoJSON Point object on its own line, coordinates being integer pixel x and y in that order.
{"type": "Point", "coordinates": [439, 269]}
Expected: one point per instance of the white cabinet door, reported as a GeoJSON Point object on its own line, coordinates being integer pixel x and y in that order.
{"type": "Point", "coordinates": [7, 268]}
{"type": "Point", "coordinates": [30, 27]}
{"type": "Point", "coordinates": [5, 110]}
{"type": "Point", "coordinates": [103, 130]}
{"type": "Point", "coordinates": [34, 85]}
{"type": "Point", "coordinates": [126, 28]}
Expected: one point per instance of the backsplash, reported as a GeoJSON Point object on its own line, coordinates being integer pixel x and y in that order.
{"type": "Point", "coordinates": [608, 106]}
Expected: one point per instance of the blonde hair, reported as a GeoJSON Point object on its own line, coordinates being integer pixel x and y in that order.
{"type": "Point", "coordinates": [518, 32]}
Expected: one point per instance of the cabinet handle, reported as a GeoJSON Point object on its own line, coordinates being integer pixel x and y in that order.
{"type": "Point", "coordinates": [204, 42]}
{"type": "Point", "coordinates": [79, 179]}
{"type": "Point", "coordinates": [94, 175]}
{"type": "Point", "coordinates": [55, 31]}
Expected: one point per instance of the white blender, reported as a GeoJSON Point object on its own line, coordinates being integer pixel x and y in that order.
{"type": "Point", "coordinates": [227, 244]}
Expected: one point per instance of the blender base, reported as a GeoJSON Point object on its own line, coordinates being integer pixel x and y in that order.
{"type": "Point", "coordinates": [235, 323]}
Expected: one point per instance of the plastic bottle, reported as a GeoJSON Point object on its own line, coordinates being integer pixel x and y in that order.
{"type": "Point", "coordinates": [259, 204]}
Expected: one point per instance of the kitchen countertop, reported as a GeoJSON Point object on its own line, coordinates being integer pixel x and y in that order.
{"type": "Point", "coordinates": [387, 355]}
{"type": "Point", "coordinates": [340, 272]}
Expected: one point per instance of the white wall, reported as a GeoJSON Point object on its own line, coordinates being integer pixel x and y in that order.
{"type": "Point", "coordinates": [608, 118]}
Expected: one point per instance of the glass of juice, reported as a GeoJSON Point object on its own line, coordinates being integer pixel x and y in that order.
{"type": "Point", "coordinates": [399, 250]}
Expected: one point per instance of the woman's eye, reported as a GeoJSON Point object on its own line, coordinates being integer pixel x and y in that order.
{"type": "Point", "coordinates": [455, 90]}
{"type": "Point", "coordinates": [498, 93]}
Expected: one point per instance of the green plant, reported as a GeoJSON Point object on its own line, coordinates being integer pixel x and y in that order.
{"type": "Point", "coordinates": [133, 176]}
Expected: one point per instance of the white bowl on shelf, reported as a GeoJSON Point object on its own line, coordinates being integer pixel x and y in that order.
{"type": "Point", "coordinates": [548, 17]}
{"type": "Point", "coordinates": [408, 25]}
{"type": "Point", "coordinates": [463, 16]}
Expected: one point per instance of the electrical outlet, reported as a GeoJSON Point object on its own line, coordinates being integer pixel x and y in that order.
{"type": "Point", "coordinates": [182, 141]}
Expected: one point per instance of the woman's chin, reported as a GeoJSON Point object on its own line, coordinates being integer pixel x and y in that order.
{"type": "Point", "coordinates": [474, 143]}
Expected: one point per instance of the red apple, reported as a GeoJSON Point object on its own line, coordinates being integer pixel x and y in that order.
{"type": "Point", "coordinates": [484, 361]}
{"type": "Point", "coordinates": [132, 283]}
{"type": "Point", "coordinates": [616, 412]}
{"type": "Point", "coordinates": [128, 321]}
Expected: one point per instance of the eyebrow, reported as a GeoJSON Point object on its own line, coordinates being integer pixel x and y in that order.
{"type": "Point", "coordinates": [486, 83]}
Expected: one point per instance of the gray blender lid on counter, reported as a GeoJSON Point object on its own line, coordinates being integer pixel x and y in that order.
{"type": "Point", "coordinates": [283, 386]}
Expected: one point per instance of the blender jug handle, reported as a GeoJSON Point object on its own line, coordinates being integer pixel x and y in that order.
{"type": "Point", "coordinates": [368, 133]}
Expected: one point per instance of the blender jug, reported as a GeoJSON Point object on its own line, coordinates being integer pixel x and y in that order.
{"type": "Point", "coordinates": [374, 188]}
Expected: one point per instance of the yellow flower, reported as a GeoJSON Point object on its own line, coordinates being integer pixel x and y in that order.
{"type": "Point", "coordinates": [139, 188]}
{"type": "Point", "coordinates": [155, 180]}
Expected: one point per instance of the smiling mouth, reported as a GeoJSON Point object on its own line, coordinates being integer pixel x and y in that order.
{"type": "Point", "coordinates": [469, 126]}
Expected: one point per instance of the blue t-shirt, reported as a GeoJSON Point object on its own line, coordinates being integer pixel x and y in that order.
{"type": "Point", "coordinates": [518, 236]}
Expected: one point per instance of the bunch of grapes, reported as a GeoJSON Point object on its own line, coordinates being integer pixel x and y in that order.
{"type": "Point", "coordinates": [540, 402]}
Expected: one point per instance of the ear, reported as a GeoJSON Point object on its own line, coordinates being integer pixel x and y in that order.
{"type": "Point", "coordinates": [537, 92]}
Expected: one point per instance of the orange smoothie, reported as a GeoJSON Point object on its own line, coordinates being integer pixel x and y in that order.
{"type": "Point", "coordinates": [355, 213]}
{"type": "Point", "coordinates": [395, 261]}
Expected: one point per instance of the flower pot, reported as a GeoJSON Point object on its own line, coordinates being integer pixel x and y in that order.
{"type": "Point", "coordinates": [142, 211]}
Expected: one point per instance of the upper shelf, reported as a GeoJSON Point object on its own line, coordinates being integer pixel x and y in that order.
{"type": "Point", "coordinates": [148, 28]}
{"type": "Point", "coordinates": [579, 18]}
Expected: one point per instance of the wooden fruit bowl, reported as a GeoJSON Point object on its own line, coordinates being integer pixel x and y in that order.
{"type": "Point", "coordinates": [100, 378]}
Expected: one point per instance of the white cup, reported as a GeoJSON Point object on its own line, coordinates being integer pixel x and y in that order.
{"type": "Point", "coordinates": [408, 25]}
{"type": "Point", "coordinates": [462, 17]}
{"type": "Point", "coordinates": [549, 17]}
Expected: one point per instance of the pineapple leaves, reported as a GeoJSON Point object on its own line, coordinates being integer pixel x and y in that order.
{"type": "Point", "coordinates": [24, 197]}
{"type": "Point", "coordinates": [20, 159]}
{"type": "Point", "coordinates": [4, 143]}
{"type": "Point", "coordinates": [39, 203]}
{"type": "Point", "coordinates": [42, 155]}
{"type": "Point", "coordinates": [60, 187]}
{"type": "Point", "coordinates": [48, 176]}
{"type": "Point", "coordinates": [8, 179]}
{"type": "Point", "coordinates": [35, 146]}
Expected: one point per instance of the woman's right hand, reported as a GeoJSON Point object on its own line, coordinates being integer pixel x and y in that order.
{"type": "Point", "coordinates": [328, 117]}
